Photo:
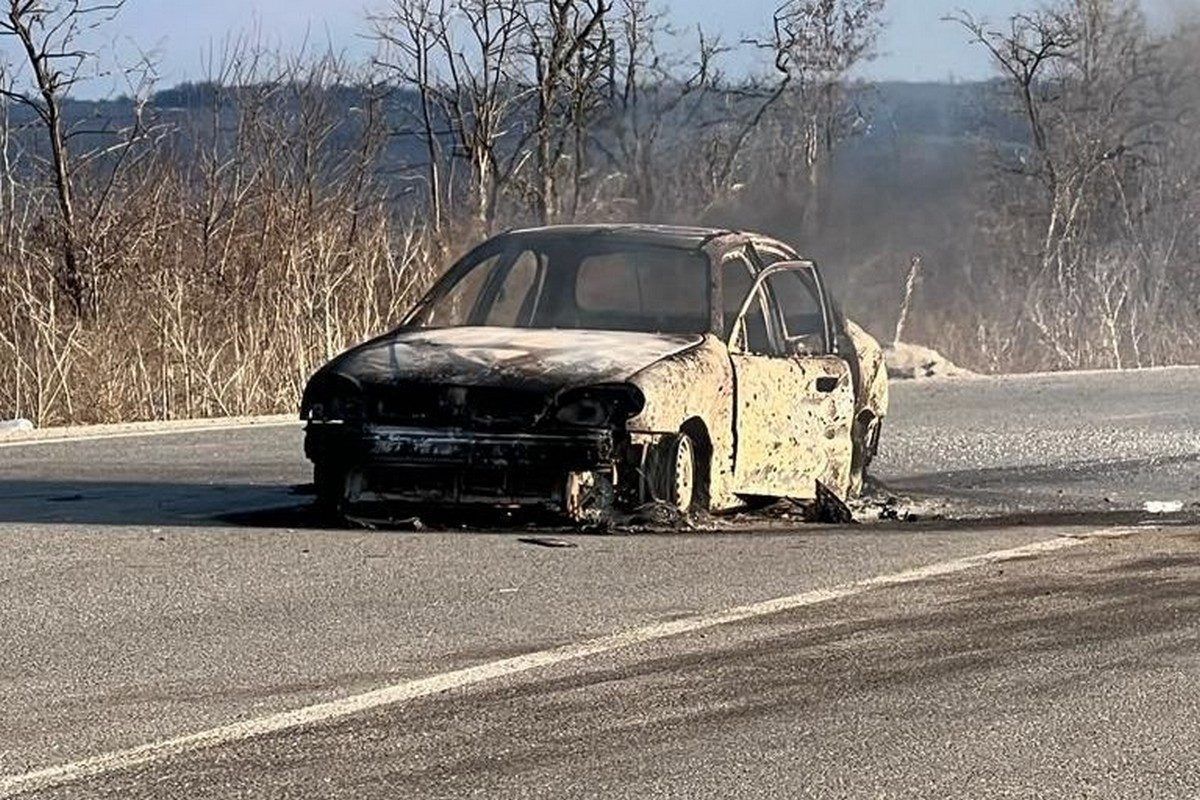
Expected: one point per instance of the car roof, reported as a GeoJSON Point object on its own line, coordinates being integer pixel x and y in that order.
{"type": "Point", "coordinates": [666, 235]}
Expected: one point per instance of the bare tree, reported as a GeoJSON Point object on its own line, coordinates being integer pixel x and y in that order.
{"type": "Point", "coordinates": [8, 176]}
{"type": "Point", "coordinates": [483, 95]}
{"type": "Point", "coordinates": [48, 34]}
{"type": "Point", "coordinates": [655, 95]}
{"type": "Point", "coordinates": [1088, 79]}
{"type": "Point", "coordinates": [52, 37]}
{"type": "Point", "coordinates": [636, 120]}
{"type": "Point", "coordinates": [1025, 53]}
{"type": "Point", "coordinates": [411, 34]}
{"type": "Point", "coordinates": [815, 46]}
{"type": "Point", "coordinates": [567, 42]}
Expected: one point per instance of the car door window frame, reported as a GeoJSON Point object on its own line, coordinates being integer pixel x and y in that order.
{"type": "Point", "coordinates": [828, 327]}
{"type": "Point", "coordinates": [775, 340]}
{"type": "Point", "coordinates": [776, 325]}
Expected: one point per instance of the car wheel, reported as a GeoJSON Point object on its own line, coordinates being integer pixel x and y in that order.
{"type": "Point", "coordinates": [676, 473]}
{"type": "Point", "coordinates": [865, 439]}
{"type": "Point", "coordinates": [330, 483]}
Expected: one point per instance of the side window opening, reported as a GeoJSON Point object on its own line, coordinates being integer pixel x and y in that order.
{"type": "Point", "coordinates": [758, 339]}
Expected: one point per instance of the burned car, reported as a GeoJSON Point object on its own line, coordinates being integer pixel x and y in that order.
{"type": "Point", "coordinates": [590, 368]}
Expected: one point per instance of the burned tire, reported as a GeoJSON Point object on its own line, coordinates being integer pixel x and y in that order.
{"type": "Point", "coordinates": [865, 439]}
{"type": "Point", "coordinates": [330, 483]}
{"type": "Point", "coordinates": [676, 474]}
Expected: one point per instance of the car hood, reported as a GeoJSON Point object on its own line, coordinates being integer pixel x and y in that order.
{"type": "Point", "coordinates": [508, 357]}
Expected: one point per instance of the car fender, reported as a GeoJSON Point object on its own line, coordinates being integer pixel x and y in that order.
{"type": "Point", "coordinates": [696, 384]}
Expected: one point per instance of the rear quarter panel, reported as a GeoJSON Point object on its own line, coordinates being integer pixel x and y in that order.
{"type": "Point", "coordinates": [872, 389]}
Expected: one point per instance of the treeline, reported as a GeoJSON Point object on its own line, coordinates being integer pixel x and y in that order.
{"type": "Point", "coordinates": [200, 251]}
{"type": "Point", "coordinates": [1087, 242]}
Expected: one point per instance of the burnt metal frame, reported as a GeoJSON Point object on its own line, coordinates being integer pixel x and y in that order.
{"type": "Point", "coordinates": [507, 245]}
{"type": "Point", "coordinates": [806, 267]}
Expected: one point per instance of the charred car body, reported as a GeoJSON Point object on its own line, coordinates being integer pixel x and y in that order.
{"type": "Point", "coordinates": [582, 368]}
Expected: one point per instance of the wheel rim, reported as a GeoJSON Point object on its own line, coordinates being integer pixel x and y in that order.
{"type": "Point", "coordinates": [685, 474]}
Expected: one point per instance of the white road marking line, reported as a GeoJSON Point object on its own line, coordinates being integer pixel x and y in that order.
{"type": "Point", "coordinates": [149, 432]}
{"type": "Point", "coordinates": [42, 779]}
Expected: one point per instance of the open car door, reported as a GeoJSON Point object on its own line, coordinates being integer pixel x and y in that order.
{"type": "Point", "coordinates": [794, 401]}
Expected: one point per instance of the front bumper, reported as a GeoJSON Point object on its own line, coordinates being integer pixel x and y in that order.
{"type": "Point", "coordinates": [515, 450]}
{"type": "Point", "coordinates": [448, 447]}
{"type": "Point", "coordinates": [448, 466]}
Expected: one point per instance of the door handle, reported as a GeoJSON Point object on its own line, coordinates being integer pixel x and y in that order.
{"type": "Point", "coordinates": [826, 384]}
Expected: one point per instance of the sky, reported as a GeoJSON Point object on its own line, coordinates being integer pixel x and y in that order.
{"type": "Point", "coordinates": [183, 35]}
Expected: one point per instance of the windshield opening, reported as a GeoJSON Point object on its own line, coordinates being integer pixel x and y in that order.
{"type": "Point", "coordinates": [577, 283]}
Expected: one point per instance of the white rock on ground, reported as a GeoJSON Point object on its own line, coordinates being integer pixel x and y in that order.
{"type": "Point", "coordinates": [10, 426]}
{"type": "Point", "coordinates": [912, 361]}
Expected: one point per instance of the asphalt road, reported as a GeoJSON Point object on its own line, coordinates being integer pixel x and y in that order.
{"type": "Point", "coordinates": [155, 587]}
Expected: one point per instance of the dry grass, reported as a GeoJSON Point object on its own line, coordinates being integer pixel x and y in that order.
{"type": "Point", "coordinates": [215, 261]}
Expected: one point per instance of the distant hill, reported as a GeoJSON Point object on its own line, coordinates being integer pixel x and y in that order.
{"type": "Point", "coordinates": [941, 114]}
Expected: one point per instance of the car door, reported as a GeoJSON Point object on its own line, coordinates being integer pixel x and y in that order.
{"type": "Point", "coordinates": [795, 396]}
{"type": "Point", "coordinates": [767, 395]}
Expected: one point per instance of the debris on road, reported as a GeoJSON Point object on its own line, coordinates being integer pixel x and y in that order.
{"type": "Point", "coordinates": [546, 541]}
{"type": "Point", "coordinates": [390, 523]}
{"type": "Point", "coordinates": [1163, 506]}
{"type": "Point", "coordinates": [890, 509]}
{"type": "Point", "coordinates": [881, 505]}
{"type": "Point", "coordinates": [913, 362]}
{"type": "Point", "coordinates": [656, 515]}
{"type": "Point", "coordinates": [829, 508]}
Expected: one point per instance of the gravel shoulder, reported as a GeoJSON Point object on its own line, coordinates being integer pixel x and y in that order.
{"type": "Point", "coordinates": [126, 429]}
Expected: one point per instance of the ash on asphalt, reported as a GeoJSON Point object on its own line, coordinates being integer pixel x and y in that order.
{"type": "Point", "coordinates": [878, 510]}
